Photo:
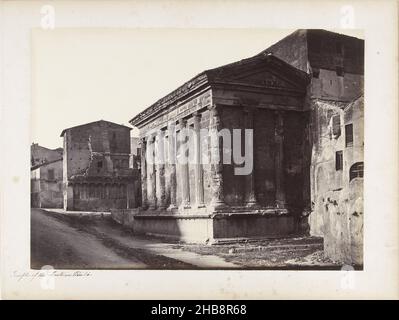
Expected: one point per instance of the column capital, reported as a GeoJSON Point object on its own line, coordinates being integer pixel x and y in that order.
{"type": "Point", "coordinates": [159, 135]}
{"type": "Point", "coordinates": [197, 114]}
{"type": "Point", "coordinates": [149, 137]}
{"type": "Point", "coordinates": [213, 108]}
{"type": "Point", "coordinates": [182, 122]}
{"type": "Point", "coordinates": [171, 124]}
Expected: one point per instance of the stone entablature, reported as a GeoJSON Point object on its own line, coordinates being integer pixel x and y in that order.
{"type": "Point", "coordinates": [174, 113]}
{"type": "Point", "coordinates": [232, 74]}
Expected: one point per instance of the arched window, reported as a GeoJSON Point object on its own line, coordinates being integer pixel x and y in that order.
{"type": "Point", "coordinates": [356, 171]}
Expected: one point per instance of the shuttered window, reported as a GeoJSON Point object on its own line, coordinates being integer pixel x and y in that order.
{"type": "Point", "coordinates": [338, 160]}
{"type": "Point", "coordinates": [336, 126]}
{"type": "Point", "coordinates": [349, 135]}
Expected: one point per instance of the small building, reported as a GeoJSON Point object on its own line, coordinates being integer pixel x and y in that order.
{"type": "Point", "coordinates": [46, 184]}
{"type": "Point", "coordinates": [96, 171]}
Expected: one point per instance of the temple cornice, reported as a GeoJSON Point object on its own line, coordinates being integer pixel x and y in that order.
{"type": "Point", "coordinates": [278, 78]}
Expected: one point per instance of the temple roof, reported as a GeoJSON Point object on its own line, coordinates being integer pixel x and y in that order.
{"type": "Point", "coordinates": [222, 75]}
{"type": "Point", "coordinates": [294, 55]}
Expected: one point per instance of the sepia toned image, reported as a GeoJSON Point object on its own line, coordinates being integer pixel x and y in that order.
{"type": "Point", "coordinates": [246, 155]}
{"type": "Point", "coordinates": [213, 149]}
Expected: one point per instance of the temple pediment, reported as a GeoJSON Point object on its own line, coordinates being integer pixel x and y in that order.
{"type": "Point", "coordinates": [261, 71]}
{"type": "Point", "coordinates": [263, 78]}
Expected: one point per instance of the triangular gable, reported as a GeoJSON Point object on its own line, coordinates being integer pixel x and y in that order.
{"type": "Point", "coordinates": [265, 78]}
{"type": "Point", "coordinates": [263, 69]}
{"type": "Point", "coordinates": [266, 71]}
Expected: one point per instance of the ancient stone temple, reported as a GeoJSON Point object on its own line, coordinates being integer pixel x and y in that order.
{"type": "Point", "coordinates": [96, 171]}
{"type": "Point", "coordinates": [268, 113]}
{"type": "Point", "coordinates": [207, 201]}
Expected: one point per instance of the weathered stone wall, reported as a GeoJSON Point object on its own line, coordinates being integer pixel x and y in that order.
{"type": "Point", "coordinates": [292, 49]}
{"type": "Point", "coordinates": [97, 149]}
{"type": "Point", "coordinates": [328, 85]}
{"type": "Point", "coordinates": [337, 212]}
{"type": "Point", "coordinates": [327, 50]}
{"type": "Point", "coordinates": [203, 228]}
{"type": "Point", "coordinates": [335, 61]}
{"type": "Point", "coordinates": [237, 226]}
{"type": "Point", "coordinates": [321, 49]}
{"type": "Point", "coordinates": [343, 224]}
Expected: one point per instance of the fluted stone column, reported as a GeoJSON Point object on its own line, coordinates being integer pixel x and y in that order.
{"type": "Point", "coordinates": [217, 195]}
{"type": "Point", "coordinates": [172, 165]}
{"type": "Point", "coordinates": [184, 173]}
{"type": "Point", "coordinates": [144, 173]}
{"type": "Point", "coordinates": [250, 196]}
{"type": "Point", "coordinates": [151, 178]}
{"type": "Point", "coordinates": [160, 170]}
{"type": "Point", "coordinates": [279, 158]}
{"type": "Point", "coordinates": [199, 178]}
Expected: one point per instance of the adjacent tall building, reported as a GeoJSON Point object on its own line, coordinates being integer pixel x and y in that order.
{"type": "Point", "coordinates": [335, 102]}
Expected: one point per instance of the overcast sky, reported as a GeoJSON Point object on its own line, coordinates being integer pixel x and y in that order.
{"type": "Point", "coordinates": [84, 75]}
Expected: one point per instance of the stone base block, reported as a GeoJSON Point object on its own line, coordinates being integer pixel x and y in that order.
{"type": "Point", "coordinates": [206, 228]}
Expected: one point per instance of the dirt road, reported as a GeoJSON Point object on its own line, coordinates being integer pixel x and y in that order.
{"type": "Point", "coordinates": [73, 242]}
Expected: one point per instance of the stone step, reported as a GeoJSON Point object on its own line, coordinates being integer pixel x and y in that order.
{"type": "Point", "coordinates": [298, 247]}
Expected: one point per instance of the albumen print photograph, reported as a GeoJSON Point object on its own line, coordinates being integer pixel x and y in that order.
{"type": "Point", "coordinates": [195, 149]}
